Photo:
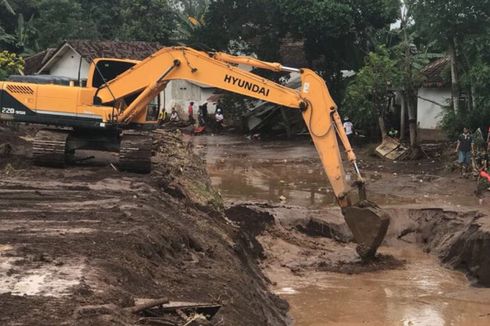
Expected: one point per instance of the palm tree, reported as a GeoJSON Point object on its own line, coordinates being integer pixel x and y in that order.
{"type": "Point", "coordinates": [4, 37]}
{"type": "Point", "coordinates": [24, 35]}
{"type": "Point", "coordinates": [7, 5]}
{"type": "Point", "coordinates": [191, 16]}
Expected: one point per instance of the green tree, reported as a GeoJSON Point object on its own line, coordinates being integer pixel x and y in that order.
{"type": "Point", "coordinates": [368, 95]}
{"type": "Point", "coordinates": [58, 20]}
{"type": "Point", "coordinates": [6, 4]}
{"type": "Point", "coordinates": [102, 19]}
{"type": "Point", "coordinates": [190, 19]}
{"type": "Point", "coordinates": [146, 20]}
{"type": "Point", "coordinates": [25, 36]}
{"type": "Point", "coordinates": [460, 28]}
{"type": "Point", "coordinates": [450, 23]}
{"type": "Point", "coordinates": [245, 27]}
{"type": "Point", "coordinates": [10, 63]}
{"type": "Point", "coordinates": [337, 34]}
{"type": "Point", "coordinates": [22, 39]}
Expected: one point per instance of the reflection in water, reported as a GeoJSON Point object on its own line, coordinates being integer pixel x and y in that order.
{"type": "Point", "coordinates": [269, 181]}
{"type": "Point", "coordinates": [267, 171]}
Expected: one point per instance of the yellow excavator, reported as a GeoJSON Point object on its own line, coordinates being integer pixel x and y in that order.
{"type": "Point", "coordinates": [114, 112]}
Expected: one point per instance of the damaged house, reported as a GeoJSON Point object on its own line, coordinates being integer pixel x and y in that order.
{"type": "Point", "coordinates": [433, 97]}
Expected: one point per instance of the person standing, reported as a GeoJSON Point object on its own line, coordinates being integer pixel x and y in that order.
{"type": "Point", "coordinates": [488, 141]}
{"type": "Point", "coordinates": [203, 114]}
{"type": "Point", "coordinates": [190, 111]}
{"type": "Point", "coordinates": [219, 120]}
{"type": "Point", "coordinates": [349, 129]}
{"type": "Point", "coordinates": [464, 148]}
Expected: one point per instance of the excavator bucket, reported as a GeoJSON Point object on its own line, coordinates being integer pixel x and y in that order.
{"type": "Point", "coordinates": [368, 224]}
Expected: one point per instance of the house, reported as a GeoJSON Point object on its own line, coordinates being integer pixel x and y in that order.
{"type": "Point", "coordinates": [72, 59]}
{"type": "Point", "coordinates": [433, 97]}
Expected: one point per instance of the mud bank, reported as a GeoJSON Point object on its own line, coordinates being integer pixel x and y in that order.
{"type": "Point", "coordinates": [90, 235]}
{"type": "Point", "coordinates": [312, 263]}
{"type": "Point", "coordinates": [299, 241]}
{"type": "Point", "coordinates": [318, 240]}
{"type": "Point", "coordinates": [461, 240]}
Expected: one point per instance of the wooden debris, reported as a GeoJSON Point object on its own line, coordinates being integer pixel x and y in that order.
{"type": "Point", "coordinates": [147, 305]}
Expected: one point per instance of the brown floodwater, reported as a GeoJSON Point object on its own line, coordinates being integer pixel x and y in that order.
{"type": "Point", "coordinates": [421, 293]}
{"type": "Point", "coordinates": [273, 172]}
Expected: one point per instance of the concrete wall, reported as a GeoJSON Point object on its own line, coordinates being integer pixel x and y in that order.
{"type": "Point", "coordinates": [429, 114]}
{"type": "Point", "coordinates": [179, 93]}
{"type": "Point", "coordinates": [68, 65]}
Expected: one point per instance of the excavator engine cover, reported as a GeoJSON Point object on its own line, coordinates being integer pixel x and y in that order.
{"type": "Point", "coordinates": [369, 225]}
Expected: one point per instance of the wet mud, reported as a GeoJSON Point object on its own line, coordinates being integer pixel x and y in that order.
{"type": "Point", "coordinates": [426, 270]}
{"type": "Point", "coordinates": [89, 235]}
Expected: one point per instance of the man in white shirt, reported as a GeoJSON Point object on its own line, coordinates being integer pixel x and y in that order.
{"type": "Point", "coordinates": [349, 129]}
{"type": "Point", "coordinates": [219, 120]}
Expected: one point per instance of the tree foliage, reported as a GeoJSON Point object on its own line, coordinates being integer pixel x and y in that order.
{"type": "Point", "coordinates": [146, 20]}
{"type": "Point", "coordinates": [460, 28]}
{"type": "Point", "coordinates": [10, 63]}
{"type": "Point", "coordinates": [190, 19]}
{"type": "Point", "coordinates": [444, 20]}
{"type": "Point", "coordinates": [337, 35]}
{"type": "Point", "coordinates": [37, 24]}
{"type": "Point", "coordinates": [367, 96]}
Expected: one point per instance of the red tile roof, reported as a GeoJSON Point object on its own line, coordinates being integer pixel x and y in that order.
{"type": "Point", "coordinates": [433, 73]}
{"type": "Point", "coordinates": [114, 49]}
{"type": "Point", "coordinates": [96, 49]}
{"type": "Point", "coordinates": [36, 61]}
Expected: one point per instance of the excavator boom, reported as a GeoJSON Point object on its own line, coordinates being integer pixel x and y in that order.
{"type": "Point", "coordinates": [123, 102]}
{"type": "Point", "coordinates": [367, 222]}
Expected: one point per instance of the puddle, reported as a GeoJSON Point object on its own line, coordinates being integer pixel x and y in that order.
{"type": "Point", "coordinates": [40, 279]}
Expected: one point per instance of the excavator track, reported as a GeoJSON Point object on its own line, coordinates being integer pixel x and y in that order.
{"type": "Point", "coordinates": [49, 147]}
{"type": "Point", "coordinates": [135, 152]}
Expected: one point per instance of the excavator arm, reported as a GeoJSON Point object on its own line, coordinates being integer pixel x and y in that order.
{"type": "Point", "coordinates": [147, 78]}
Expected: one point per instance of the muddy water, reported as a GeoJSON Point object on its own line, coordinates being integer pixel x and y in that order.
{"type": "Point", "coordinates": [273, 172]}
{"type": "Point", "coordinates": [421, 293]}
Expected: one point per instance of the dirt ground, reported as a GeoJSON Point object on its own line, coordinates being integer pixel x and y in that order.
{"type": "Point", "coordinates": [91, 235]}
{"type": "Point", "coordinates": [264, 222]}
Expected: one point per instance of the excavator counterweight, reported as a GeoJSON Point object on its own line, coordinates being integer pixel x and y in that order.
{"type": "Point", "coordinates": [114, 110]}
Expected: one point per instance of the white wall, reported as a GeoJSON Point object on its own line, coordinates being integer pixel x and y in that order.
{"type": "Point", "coordinates": [68, 65]}
{"type": "Point", "coordinates": [430, 114]}
{"type": "Point", "coordinates": [179, 93]}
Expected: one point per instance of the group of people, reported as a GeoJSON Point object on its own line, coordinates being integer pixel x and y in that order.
{"type": "Point", "coordinates": [203, 116]}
